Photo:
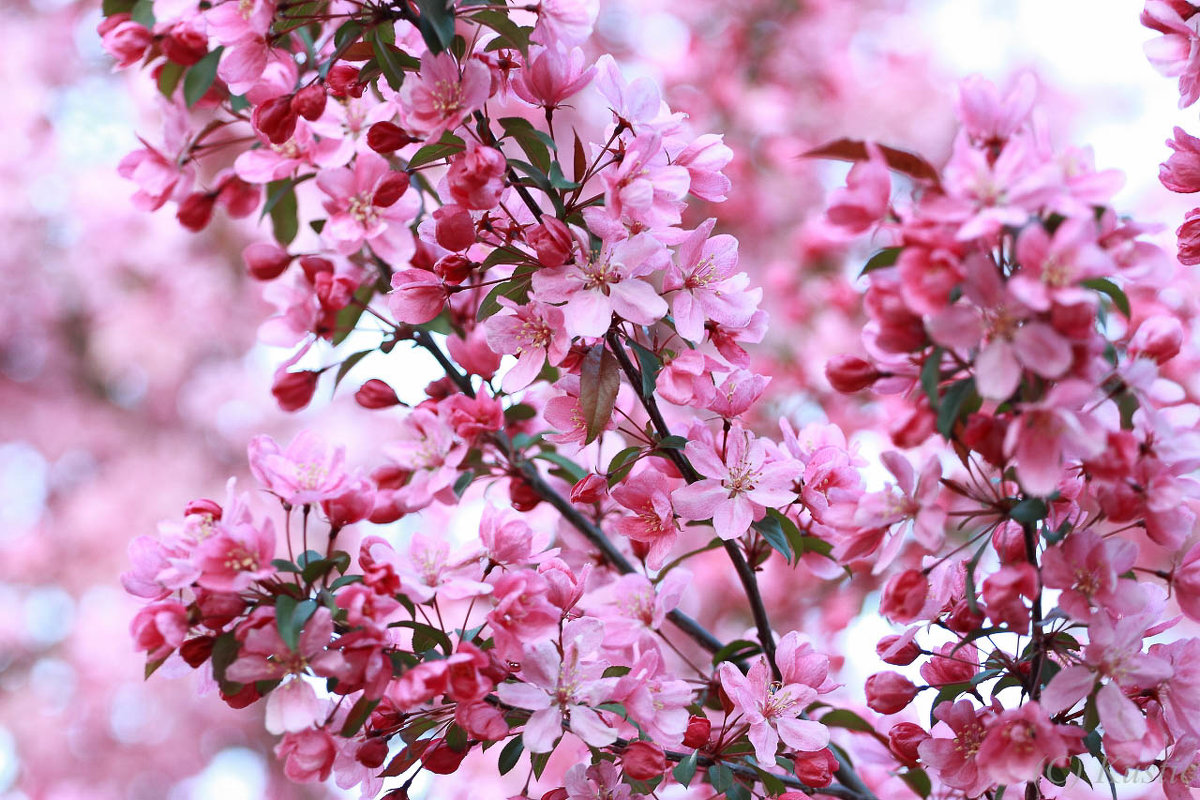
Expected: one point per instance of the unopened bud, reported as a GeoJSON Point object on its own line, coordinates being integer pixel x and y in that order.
{"type": "Point", "coordinates": [848, 374]}
{"type": "Point", "coordinates": [294, 390]}
{"type": "Point", "coordinates": [385, 137]}
{"type": "Point", "coordinates": [266, 261]}
{"type": "Point", "coordinates": [309, 102]}
{"type": "Point", "coordinates": [376, 394]}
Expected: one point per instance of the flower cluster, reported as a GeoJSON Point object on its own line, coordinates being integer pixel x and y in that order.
{"type": "Point", "coordinates": [599, 404]}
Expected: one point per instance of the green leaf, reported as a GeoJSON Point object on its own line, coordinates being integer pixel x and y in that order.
{"type": "Point", "coordinates": [142, 13]}
{"type": "Point", "coordinates": [445, 147]}
{"type": "Point", "coordinates": [510, 755]}
{"type": "Point", "coordinates": [737, 792]}
{"type": "Point", "coordinates": [558, 180]}
{"type": "Point", "coordinates": [283, 565]}
{"type": "Point", "coordinates": [883, 258]}
{"type": "Point", "coordinates": [345, 580]}
{"type": "Point", "coordinates": [348, 364]}
{"type": "Point", "coordinates": [168, 78]}
{"type": "Point", "coordinates": [599, 380]}
{"type": "Point", "coordinates": [959, 397]}
{"type": "Point", "coordinates": [436, 24]}
{"type": "Point", "coordinates": [568, 466]}
{"type": "Point", "coordinates": [770, 529]}
{"type": "Point", "coordinates": [649, 364]}
{"type": "Point", "coordinates": [290, 617]}
{"type": "Point", "coordinates": [359, 713]}
{"type": "Point", "coordinates": [671, 443]}
{"type": "Point", "coordinates": [844, 718]}
{"type": "Point", "coordinates": [535, 144]}
{"type": "Point", "coordinates": [736, 650]}
{"type": "Point", "coordinates": [348, 317]}
{"type": "Point", "coordinates": [621, 464]}
{"type": "Point", "coordinates": [918, 781]}
{"type": "Point", "coordinates": [463, 482]}
{"type": "Point", "coordinates": [516, 289]}
{"type": "Point", "coordinates": [200, 77]}
{"type": "Point", "coordinates": [685, 770]}
{"type": "Point", "coordinates": [1105, 286]}
{"type": "Point", "coordinates": [511, 35]}
{"type": "Point", "coordinates": [931, 376]}
{"type": "Point", "coordinates": [224, 653]}
{"type": "Point", "coordinates": [152, 666]}
{"type": "Point", "coordinates": [281, 205]}
{"type": "Point", "coordinates": [1029, 510]}
{"type": "Point", "coordinates": [426, 637]}
{"type": "Point", "coordinates": [393, 62]}
{"type": "Point", "coordinates": [110, 7]}
{"type": "Point", "coordinates": [720, 777]}
{"type": "Point", "coordinates": [538, 762]}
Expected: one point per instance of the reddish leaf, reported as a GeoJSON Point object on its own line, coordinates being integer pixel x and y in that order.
{"type": "Point", "coordinates": [406, 758]}
{"type": "Point", "coordinates": [599, 379]}
{"type": "Point", "coordinates": [901, 161]}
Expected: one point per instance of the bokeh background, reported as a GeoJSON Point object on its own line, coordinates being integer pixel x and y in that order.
{"type": "Point", "coordinates": [131, 380]}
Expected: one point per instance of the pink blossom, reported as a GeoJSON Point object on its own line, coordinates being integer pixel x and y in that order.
{"type": "Point", "coordinates": [955, 760]}
{"type": "Point", "coordinates": [476, 177]}
{"type": "Point", "coordinates": [1177, 52]}
{"type": "Point", "coordinates": [159, 179]}
{"type": "Point", "coordinates": [439, 96]}
{"type": "Point", "coordinates": [307, 755]}
{"type": "Point", "coordinates": [686, 379]}
{"type": "Point", "coordinates": [772, 711]}
{"type": "Point", "coordinates": [611, 283]}
{"type": "Point", "coordinates": [236, 556]}
{"type": "Point", "coordinates": [1087, 569]}
{"type": "Point", "coordinates": [567, 22]}
{"type": "Point", "coordinates": [1048, 433]}
{"type": "Point", "coordinates": [654, 700]}
{"type": "Point", "coordinates": [308, 471]}
{"type": "Point", "coordinates": [648, 495]}
{"type": "Point", "coordinates": [704, 159]}
{"type": "Point", "coordinates": [562, 687]}
{"type": "Point", "coordinates": [633, 609]}
{"type": "Point", "coordinates": [1052, 268]}
{"type": "Point", "coordinates": [534, 333]}
{"type": "Point", "coordinates": [124, 39]}
{"type": "Point", "coordinates": [1006, 591]}
{"type": "Point", "coordinates": [1020, 742]}
{"type": "Point", "coordinates": [159, 628]}
{"type": "Point", "coordinates": [738, 486]}
{"type": "Point", "coordinates": [645, 187]}
{"type": "Point", "coordinates": [522, 612]}
{"type": "Point", "coordinates": [706, 286]}
{"type": "Point", "coordinates": [553, 75]}
{"type": "Point", "coordinates": [368, 204]}
{"type": "Point", "coordinates": [863, 202]}
{"type": "Point", "coordinates": [233, 21]}
{"type": "Point", "coordinates": [417, 296]}
{"type": "Point", "coordinates": [989, 118]}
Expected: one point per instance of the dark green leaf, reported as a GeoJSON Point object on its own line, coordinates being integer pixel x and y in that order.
{"type": "Point", "coordinates": [510, 755]}
{"type": "Point", "coordinates": [958, 398]}
{"type": "Point", "coordinates": [1029, 510]}
{"type": "Point", "coordinates": [720, 777]}
{"type": "Point", "coordinates": [931, 376]}
{"type": "Point", "coordinates": [348, 364]}
{"type": "Point", "coordinates": [736, 650]}
{"type": "Point", "coordinates": [671, 443]}
{"type": "Point", "coordinates": [770, 529]}
{"type": "Point", "coordinates": [110, 7]}
{"type": "Point", "coordinates": [200, 77]}
{"type": "Point", "coordinates": [463, 482]}
{"type": "Point", "coordinates": [345, 580]}
{"type": "Point", "coordinates": [883, 258]}
{"type": "Point", "coordinates": [169, 77]}
{"type": "Point", "coordinates": [393, 62]}
{"type": "Point", "coordinates": [437, 24]}
{"type": "Point", "coordinates": [515, 289]}
{"type": "Point", "coordinates": [281, 205]}
{"type": "Point", "coordinates": [649, 364]}
{"type": "Point", "coordinates": [426, 637]}
{"type": "Point", "coordinates": [511, 35]}
{"type": "Point", "coordinates": [621, 464]}
{"type": "Point", "coordinates": [568, 466]}
{"type": "Point", "coordinates": [538, 762]}
{"type": "Point", "coordinates": [844, 718]}
{"type": "Point", "coordinates": [558, 180]}
{"type": "Point", "coordinates": [152, 666]}
{"type": "Point", "coordinates": [358, 716]}
{"type": "Point", "coordinates": [142, 13]}
{"type": "Point", "coordinates": [348, 317]}
{"type": "Point", "coordinates": [1105, 286]}
{"type": "Point", "coordinates": [685, 770]}
{"type": "Point", "coordinates": [283, 565]}
{"type": "Point", "coordinates": [918, 781]}
{"type": "Point", "coordinates": [445, 147]}
{"type": "Point", "coordinates": [535, 144]}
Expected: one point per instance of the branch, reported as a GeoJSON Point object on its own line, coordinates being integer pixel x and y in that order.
{"type": "Point", "coordinates": [758, 610]}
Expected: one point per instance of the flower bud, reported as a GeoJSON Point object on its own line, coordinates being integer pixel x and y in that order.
{"type": "Point", "coordinates": [309, 102]}
{"type": "Point", "coordinates": [275, 119]}
{"type": "Point", "coordinates": [522, 495]}
{"type": "Point", "coordinates": [591, 488]}
{"type": "Point", "coordinates": [891, 651]}
{"type": "Point", "coordinates": [1158, 338]}
{"type": "Point", "coordinates": [441, 759]}
{"type": "Point", "coordinates": [698, 729]}
{"type": "Point", "coordinates": [266, 261]}
{"type": "Point", "coordinates": [294, 390]}
{"type": "Point", "coordinates": [889, 692]}
{"type": "Point", "coordinates": [453, 269]}
{"type": "Point", "coordinates": [314, 266]}
{"type": "Point", "coordinates": [848, 374]}
{"type": "Point", "coordinates": [643, 761]}
{"type": "Point", "coordinates": [816, 769]}
{"type": "Point", "coordinates": [372, 753]}
{"type": "Point", "coordinates": [391, 189]}
{"type": "Point", "coordinates": [455, 230]}
{"type": "Point", "coordinates": [962, 619]}
{"type": "Point", "coordinates": [196, 651]}
{"type": "Point", "coordinates": [343, 81]}
{"type": "Point", "coordinates": [903, 740]}
{"type": "Point", "coordinates": [552, 240]}
{"type": "Point", "coordinates": [376, 394]}
{"type": "Point", "coordinates": [203, 506]}
{"type": "Point", "coordinates": [384, 138]}
{"type": "Point", "coordinates": [195, 211]}
{"type": "Point", "coordinates": [184, 44]}
{"type": "Point", "coordinates": [904, 596]}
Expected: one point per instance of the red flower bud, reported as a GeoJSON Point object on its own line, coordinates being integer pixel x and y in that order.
{"type": "Point", "coordinates": [440, 759]}
{"type": "Point", "coordinates": [372, 753]}
{"type": "Point", "coordinates": [245, 697]}
{"type": "Point", "coordinates": [196, 651]}
{"type": "Point", "coordinates": [903, 739]}
{"type": "Point", "coordinates": [309, 102]}
{"type": "Point", "coordinates": [384, 137]}
{"type": "Point", "coordinates": [315, 265]}
{"type": "Point", "coordinates": [591, 488]}
{"type": "Point", "coordinates": [522, 495]}
{"type": "Point", "coordinates": [643, 761]}
{"type": "Point", "coordinates": [203, 506]}
{"type": "Point", "coordinates": [376, 394]}
{"type": "Point", "coordinates": [816, 769]}
{"type": "Point", "coordinates": [184, 45]}
{"type": "Point", "coordinates": [698, 729]}
{"type": "Point", "coordinates": [455, 229]}
{"type": "Point", "coordinates": [275, 119]}
{"type": "Point", "coordinates": [453, 269]}
{"type": "Point", "coordinates": [294, 390]}
{"type": "Point", "coordinates": [553, 242]}
{"type": "Point", "coordinates": [266, 261]}
{"type": "Point", "coordinates": [889, 692]}
{"type": "Point", "coordinates": [848, 374]}
{"type": "Point", "coordinates": [391, 189]}
{"type": "Point", "coordinates": [900, 656]}
{"type": "Point", "coordinates": [196, 210]}
{"type": "Point", "coordinates": [904, 596]}
{"type": "Point", "coordinates": [343, 81]}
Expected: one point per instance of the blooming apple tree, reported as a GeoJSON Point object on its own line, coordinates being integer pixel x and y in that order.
{"type": "Point", "coordinates": [477, 181]}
